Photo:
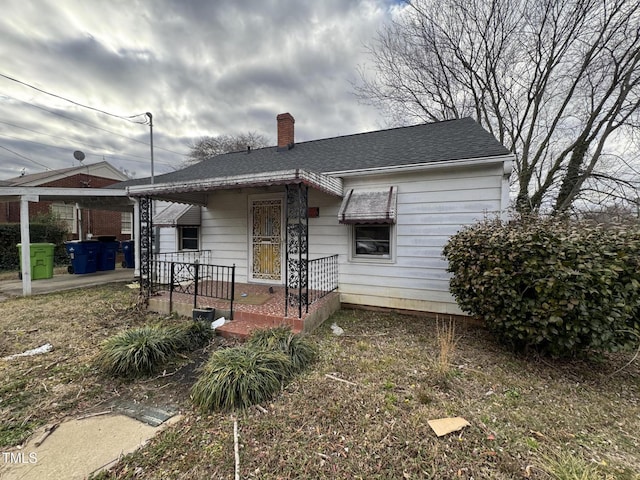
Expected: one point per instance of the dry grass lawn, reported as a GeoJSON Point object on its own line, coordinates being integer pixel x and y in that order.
{"type": "Point", "coordinates": [529, 417]}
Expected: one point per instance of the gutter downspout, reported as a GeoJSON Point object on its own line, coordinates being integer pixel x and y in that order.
{"type": "Point", "coordinates": [79, 219]}
{"type": "Point", "coordinates": [505, 186]}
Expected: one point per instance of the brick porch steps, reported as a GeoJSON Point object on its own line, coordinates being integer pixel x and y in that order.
{"type": "Point", "coordinates": [248, 317]}
{"type": "Point", "coordinates": [244, 323]}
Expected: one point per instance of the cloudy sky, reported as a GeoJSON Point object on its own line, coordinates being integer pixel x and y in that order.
{"type": "Point", "coordinates": [200, 67]}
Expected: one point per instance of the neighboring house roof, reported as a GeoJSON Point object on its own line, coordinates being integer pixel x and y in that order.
{"type": "Point", "coordinates": [419, 144]}
{"type": "Point", "coordinates": [99, 169]}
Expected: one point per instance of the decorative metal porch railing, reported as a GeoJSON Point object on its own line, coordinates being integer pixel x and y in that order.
{"type": "Point", "coordinates": [145, 206]}
{"type": "Point", "coordinates": [195, 279]}
{"type": "Point", "coordinates": [185, 256]}
{"type": "Point", "coordinates": [323, 277]}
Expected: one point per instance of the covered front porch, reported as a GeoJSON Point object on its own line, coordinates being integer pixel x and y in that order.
{"type": "Point", "coordinates": [188, 284]}
{"type": "Point", "coordinates": [253, 263]}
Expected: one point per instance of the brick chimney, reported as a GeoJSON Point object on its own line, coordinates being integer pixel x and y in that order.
{"type": "Point", "coordinates": [285, 131]}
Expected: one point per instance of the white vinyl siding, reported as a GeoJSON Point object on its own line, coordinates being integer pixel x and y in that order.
{"type": "Point", "coordinates": [168, 239]}
{"type": "Point", "coordinates": [431, 207]}
{"type": "Point", "coordinates": [326, 235]}
{"type": "Point", "coordinates": [224, 230]}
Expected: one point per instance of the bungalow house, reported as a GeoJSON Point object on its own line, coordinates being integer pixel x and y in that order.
{"type": "Point", "coordinates": [367, 213]}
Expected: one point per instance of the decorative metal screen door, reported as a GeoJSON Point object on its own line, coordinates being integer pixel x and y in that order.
{"type": "Point", "coordinates": [266, 240]}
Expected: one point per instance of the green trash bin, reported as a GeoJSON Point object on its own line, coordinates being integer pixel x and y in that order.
{"type": "Point", "coordinates": [41, 260]}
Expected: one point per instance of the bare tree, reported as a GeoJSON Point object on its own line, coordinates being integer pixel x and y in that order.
{"type": "Point", "coordinates": [556, 81]}
{"type": "Point", "coordinates": [210, 146]}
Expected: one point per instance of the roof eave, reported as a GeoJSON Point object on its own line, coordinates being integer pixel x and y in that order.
{"type": "Point", "coordinates": [465, 162]}
{"type": "Point", "coordinates": [319, 181]}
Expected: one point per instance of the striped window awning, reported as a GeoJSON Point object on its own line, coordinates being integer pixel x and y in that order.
{"type": "Point", "coordinates": [369, 206]}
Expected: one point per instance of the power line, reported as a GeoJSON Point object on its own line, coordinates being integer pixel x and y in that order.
{"type": "Point", "coordinates": [26, 158]}
{"type": "Point", "coordinates": [94, 126]}
{"type": "Point", "coordinates": [68, 140]}
{"type": "Point", "coordinates": [129, 119]}
{"type": "Point", "coordinates": [143, 160]}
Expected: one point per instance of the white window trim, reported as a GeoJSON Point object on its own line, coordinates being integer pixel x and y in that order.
{"type": "Point", "coordinates": [179, 231]}
{"type": "Point", "coordinates": [74, 221]}
{"type": "Point", "coordinates": [361, 258]}
{"type": "Point", "coordinates": [125, 231]}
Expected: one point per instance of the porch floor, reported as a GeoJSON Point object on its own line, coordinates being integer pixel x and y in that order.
{"type": "Point", "coordinates": [255, 306]}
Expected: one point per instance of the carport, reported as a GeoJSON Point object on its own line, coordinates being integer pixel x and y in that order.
{"type": "Point", "coordinates": [97, 198]}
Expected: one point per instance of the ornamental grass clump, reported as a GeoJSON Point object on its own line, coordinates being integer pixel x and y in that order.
{"type": "Point", "coordinates": [236, 378]}
{"type": "Point", "coordinates": [447, 344]}
{"type": "Point", "coordinates": [143, 350]}
{"type": "Point", "coordinates": [192, 335]}
{"type": "Point", "coordinates": [138, 351]}
{"type": "Point", "coordinates": [299, 348]}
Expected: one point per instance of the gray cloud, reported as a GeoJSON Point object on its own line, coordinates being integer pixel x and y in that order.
{"type": "Point", "coordinates": [200, 67]}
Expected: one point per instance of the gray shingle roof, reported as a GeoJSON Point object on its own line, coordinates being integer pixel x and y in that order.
{"type": "Point", "coordinates": [42, 176]}
{"type": "Point", "coordinates": [425, 143]}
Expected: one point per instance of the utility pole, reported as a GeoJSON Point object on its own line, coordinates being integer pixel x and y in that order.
{"type": "Point", "coordinates": [151, 138]}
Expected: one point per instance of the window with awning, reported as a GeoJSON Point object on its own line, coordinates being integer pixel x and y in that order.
{"type": "Point", "coordinates": [369, 206]}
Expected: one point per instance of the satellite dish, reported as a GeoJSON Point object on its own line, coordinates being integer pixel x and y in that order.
{"type": "Point", "coordinates": [78, 155]}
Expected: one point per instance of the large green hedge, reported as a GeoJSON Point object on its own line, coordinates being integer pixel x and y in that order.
{"type": "Point", "coordinates": [563, 288]}
{"type": "Point", "coordinates": [46, 231]}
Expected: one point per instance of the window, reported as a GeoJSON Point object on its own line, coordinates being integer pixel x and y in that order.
{"type": "Point", "coordinates": [372, 241]}
{"type": "Point", "coordinates": [126, 222]}
{"type": "Point", "coordinates": [188, 238]}
{"type": "Point", "coordinates": [66, 213]}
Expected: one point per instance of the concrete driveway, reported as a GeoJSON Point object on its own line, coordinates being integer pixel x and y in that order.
{"type": "Point", "coordinates": [13, 288]}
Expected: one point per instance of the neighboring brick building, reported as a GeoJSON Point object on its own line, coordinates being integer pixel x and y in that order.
{"type": "Point", "coordinates": [94, 222]}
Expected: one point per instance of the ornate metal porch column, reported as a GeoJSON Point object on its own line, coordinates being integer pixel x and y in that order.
{"type": "Point", "coordinates": [297, 252]}
{"type": "Point", "coordinates": [146, 213]}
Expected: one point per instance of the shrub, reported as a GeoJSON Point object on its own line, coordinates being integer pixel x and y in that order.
{"type": "Point", "coordinates": [559, 287]}
{"type": "Point", "coordinates": [240, 377]}
{"type": "Point", "coordinates": [299, 349]}
{"type": "Point", "coordinates": [138, 351]}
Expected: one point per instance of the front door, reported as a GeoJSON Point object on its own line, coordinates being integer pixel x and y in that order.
{"type": "Point", "coordinates": [266, 239]}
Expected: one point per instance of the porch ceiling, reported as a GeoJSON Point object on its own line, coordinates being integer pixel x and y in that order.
{"type": "Point", "coordinates": [194, 191]}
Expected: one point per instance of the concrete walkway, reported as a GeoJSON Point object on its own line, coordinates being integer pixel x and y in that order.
{"type": "Point", "coordinates": [13, 288]}
{"type": "Point", "coordinates": [77, 448]}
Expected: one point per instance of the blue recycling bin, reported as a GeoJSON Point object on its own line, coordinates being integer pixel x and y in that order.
{"type": "Point", "coordinates": [107, 255]}
{"type": "Point", "coordinates": [83, 255]}
{"type": "Point", "coordinates": [128, 250]}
